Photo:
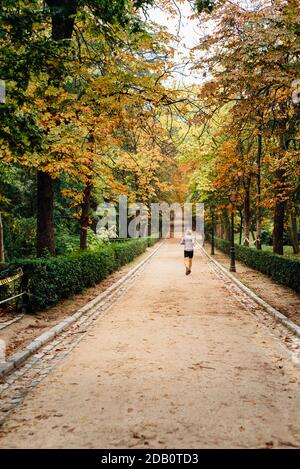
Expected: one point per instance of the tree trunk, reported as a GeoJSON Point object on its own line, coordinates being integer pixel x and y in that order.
{"type": "Point", "coordinates": [247, 213]}
{"type": "Point", "coordinates": [293, 228]}
{"type": "Point", "coordinates": [212, 232]}
{"type": "Point", "coordinates": [221, 229]}
{"type": "Point", "coordinates": [278, 227]}
{"type": "Point", "coordinates": [226, 224]}
{"type": "Point", "coordinates": [241, 226]}
{"type": "Point", "coordinates": [45, 214]}
{"type": "Point", "coordinates": [279, 209]}
{"type": "Point", "coordinates": [85, 212]}
{"type": "Point", "coordinates": [62, 15]}
{"type": "Point", "coordinates": [232, 245]}
{"type": "Point", "coordinates": [2, 253]}
{"type": "Point", "coordinates": [258, 193]}
{"type": "Point", "coordinates": [218, 227]}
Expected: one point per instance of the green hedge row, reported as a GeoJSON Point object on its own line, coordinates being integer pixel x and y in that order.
{"type": "Point", "coordinates": [281, 269]}
{"type": "Point", "coordinates": [152, 241]}
{"type": "Point", "coordinates": [51, 279]}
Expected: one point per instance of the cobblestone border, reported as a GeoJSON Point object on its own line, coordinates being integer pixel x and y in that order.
{"type": "Point", "coordinates": [20, 357]}
{"type": "Point", "coordinates": [272, 311]}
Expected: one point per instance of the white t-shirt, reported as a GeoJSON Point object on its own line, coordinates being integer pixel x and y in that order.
{"type": "Point", "coordinates": [188, 242]}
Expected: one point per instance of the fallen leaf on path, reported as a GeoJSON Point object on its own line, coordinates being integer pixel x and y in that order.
{"type": "Point", "coordinates": [199, 366]}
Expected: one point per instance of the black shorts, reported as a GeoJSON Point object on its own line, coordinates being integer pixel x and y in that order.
{"type": "Point", "coordinates": [189, 254]}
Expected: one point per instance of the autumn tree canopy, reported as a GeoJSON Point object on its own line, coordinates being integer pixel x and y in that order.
{"type": "Point", "coordinates": [93, 111]}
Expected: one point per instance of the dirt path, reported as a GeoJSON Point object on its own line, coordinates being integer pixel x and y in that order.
{"type": "Point", "coordinates": [176, 362]}
{"type": "Point", "coordinates": [30, 326]}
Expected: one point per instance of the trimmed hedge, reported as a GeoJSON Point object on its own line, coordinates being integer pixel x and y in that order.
{"type": "Point", "coordinates": [281, 269]}
{"type": "Point", "coordinates": [51, 279]}
{"type": "Point", "coordinates": [152, 241]}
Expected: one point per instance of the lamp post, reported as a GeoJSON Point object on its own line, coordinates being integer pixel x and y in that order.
{"type": "Point", "coordinates": [232, 248]}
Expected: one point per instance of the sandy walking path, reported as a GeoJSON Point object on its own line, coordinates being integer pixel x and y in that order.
{"type": "Point", "coordinates": [176, 362]}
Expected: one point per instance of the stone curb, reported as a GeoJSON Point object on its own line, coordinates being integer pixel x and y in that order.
{"type": "Point", "coordinates": [20, 357]}
{"type": "Point", "coordinates": [272, 311]}
{"type": "Point", "coordinates": [9, 323]}
{"type": "Point", "coordinates": [5, 367]}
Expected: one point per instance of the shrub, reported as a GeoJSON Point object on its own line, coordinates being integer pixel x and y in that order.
{"type": "Point", "coordinates": [152, 240]}
{"type": "Point", "coordinates": [19, 237]}
{"type": "Point", "coordinates": [266, 238]}
{"type": "Point", "coordinates": [51, 279]}
{"type": "Point", "coordinates": [126, 251]}
{"type": "Point", "coordinates": [281, 269]}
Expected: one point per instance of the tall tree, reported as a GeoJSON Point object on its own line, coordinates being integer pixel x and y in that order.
{"type": "Point", "coordinates": [251, 56]}
{"type": "Point", "coordinates": [29, 54]}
